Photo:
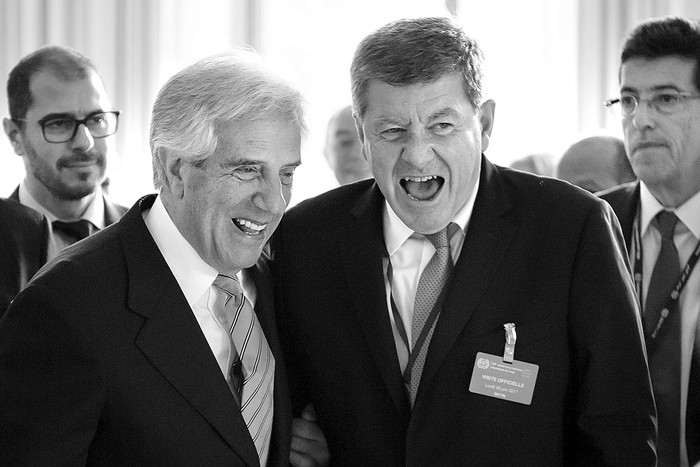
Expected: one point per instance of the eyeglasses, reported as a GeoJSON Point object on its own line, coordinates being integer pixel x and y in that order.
{"type": "Point", "coordinates": [63, 129]}
{"type": "Point", "coordinates": [667, 102]}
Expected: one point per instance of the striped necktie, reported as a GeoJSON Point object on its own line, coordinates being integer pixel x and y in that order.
{"type": "Point", "coordinates": [253, 363]}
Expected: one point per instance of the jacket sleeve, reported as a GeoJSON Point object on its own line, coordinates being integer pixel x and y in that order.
{"type": "Point", "coordinates": [614, 408]}
{"type": "Point", "coordinates": [51, 383]}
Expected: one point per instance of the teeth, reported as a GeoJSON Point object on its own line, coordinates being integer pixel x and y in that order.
{"type": "Point", "coordinates": [251, 225]}
{"type": "Point", "coordinates": [420, 179]}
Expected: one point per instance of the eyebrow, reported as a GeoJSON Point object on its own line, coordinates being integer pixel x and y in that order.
{"type": "Point", "coordinates": [57, 115]}
{"type": "Point", "coordinates": [658, 87]}
{"type": "Point", "coordinates": [386, 121]}
{"type": "Point", "coordinates": [446, 112]}
{"type": "Point", "coordinates": [249, 161]}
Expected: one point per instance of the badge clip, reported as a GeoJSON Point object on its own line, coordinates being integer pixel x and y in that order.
{"type": "Point", "coordinates": [511, 337]}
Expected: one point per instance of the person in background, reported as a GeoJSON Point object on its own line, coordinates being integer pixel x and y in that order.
{"type": "Point", "coordinates": [62, 124]}
{"type": "Point", "coordinates": [450, 311]}
{"type": "Point", "coordinates": [24, 235]}
{"type": "Point", "coordinates": [153, 341]}
{"type": "Point", "coordinates": [596, 163]}
{"type": "Point", "coordinates": [342, 149]}
{"type": "Point", "coordinates": [538, 164]}
{"type": "Point", "coordinates": [659, 103]}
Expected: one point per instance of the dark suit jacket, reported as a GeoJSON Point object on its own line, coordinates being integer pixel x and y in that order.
{"type": "Point", "coordinates": [625, 202]}
{"type": "Point", "coordinates": [102, 362]}
{"type": "Point", "coordinates": [24, 237]}
{"type": "Point", "coordinates": [113, 212]}
{"type": "Point", "coordinates": [538, 253]}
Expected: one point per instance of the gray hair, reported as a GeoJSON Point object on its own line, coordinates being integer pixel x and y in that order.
{"type": "Point", "coordinates": [412, 51]}
{"type": "Point", "coordinates": [228, 87]}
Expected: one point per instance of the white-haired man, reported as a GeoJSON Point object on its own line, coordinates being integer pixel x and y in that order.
{"type": "Point", "coordinates": [143, 348]}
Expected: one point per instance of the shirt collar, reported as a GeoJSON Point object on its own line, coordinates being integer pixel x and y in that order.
{"type": "Point", "coordinates": [193, 275]}
{"type": "Point", "coordinates": [686, 212]}
{"type": "Point", "coordinates": [94, 212]}
{"type": "Point", "coordinates": [396, 232]}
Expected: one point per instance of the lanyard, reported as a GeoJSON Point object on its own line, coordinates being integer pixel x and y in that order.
{"type": "Point", "coordinates": [430, 322]}
{"type": "Point", "coordinates": [680, 284]}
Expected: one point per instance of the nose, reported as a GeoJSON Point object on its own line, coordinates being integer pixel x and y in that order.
{"type": "Point", "coordinates": [272, 196]}
{"type": "Point", "coordinates": [418, 150]}
{"type": "Point", "coordinates": [83, 139]}
{"type": "Point", "coordinates": [643, 116]}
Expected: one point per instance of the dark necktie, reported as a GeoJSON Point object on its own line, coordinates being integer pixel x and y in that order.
{"type": "Point", "coordinates": [665, 348]}
{"type": "Point", "coordinates": [78, 229]}
{"type": "Point", "coordinates": [430, 286]}
{"type": "Point", "coordinates": [254, 364]}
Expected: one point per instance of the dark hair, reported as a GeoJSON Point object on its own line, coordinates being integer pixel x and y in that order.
{"type": "Point", "coordinates": [663, 37]}
{"type": "Point", "coordinates": [64, 63]}
{"type": "Point", "coordinates": [413, 51]}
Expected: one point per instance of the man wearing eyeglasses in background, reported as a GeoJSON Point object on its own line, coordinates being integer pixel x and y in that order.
{"type": "Point", "coordinates": [660, 217]}
{"type": "Point", "coordinates": [62, 124]}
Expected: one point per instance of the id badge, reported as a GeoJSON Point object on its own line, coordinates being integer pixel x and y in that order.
{"type": "Point", "coordinates": [513, 382]}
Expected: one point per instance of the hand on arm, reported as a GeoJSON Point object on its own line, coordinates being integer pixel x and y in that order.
{"type": "Point", "coordinates": [309, 447]}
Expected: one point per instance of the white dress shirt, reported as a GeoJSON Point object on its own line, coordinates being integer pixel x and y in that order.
{"type": "Point", "coordinates": [409, 254]}
{"type": "Point", "coordinates": [685, 237]}
{"type": "Point", "coordinates": [195, 278]}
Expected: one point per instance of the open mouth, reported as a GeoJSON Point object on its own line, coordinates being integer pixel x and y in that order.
{"type": "Point", "coordinates": [422, 188]}
{"type": "Point", "coordinates": [249, 227]}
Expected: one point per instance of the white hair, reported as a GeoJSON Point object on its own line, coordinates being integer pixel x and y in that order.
{"type": "Point", "coordinates": [227, 87]}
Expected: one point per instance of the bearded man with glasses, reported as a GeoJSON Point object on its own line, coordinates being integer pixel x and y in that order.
{"type": "Point", "coordinates": [660, 217]}
{"type": "Point", "coordinates": [62, 124]}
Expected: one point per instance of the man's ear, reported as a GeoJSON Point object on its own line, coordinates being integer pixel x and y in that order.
{"type": "Point", "coordinates": [172, 164]}
{"type": "Point", "coordinates": [360, 134]}
{"type": "Point", "coordinates": [486, 116]}
{"type": "Point", "coordinates": [14, 134]}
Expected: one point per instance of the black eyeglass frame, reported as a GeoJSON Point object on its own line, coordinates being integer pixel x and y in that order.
{"type": "Point", "coordinates": [42, 122]}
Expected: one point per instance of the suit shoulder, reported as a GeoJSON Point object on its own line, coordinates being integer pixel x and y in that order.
{"type": "Point", "coordinates": [331, 204]}
{"type": "Point", "coordinates": [25, 228]}
{"type": "Point", "coordinates": [548, 192]}
{"type": "Point", "coordinates": [12, 212]}
{"type": "Point", "coordinates": [619, 193]}
{"type": "Point", "coordinates": [92, 259]}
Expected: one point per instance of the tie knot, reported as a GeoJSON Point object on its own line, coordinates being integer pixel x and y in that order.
{"type": "Point", "coordinates": [666, 223]}
{"type": "Point", "coordinates": [78, 229]}
{"type": "Point", "coordinates": [439, 239]}
{"type": "Point", "coordinates": [228, 284]}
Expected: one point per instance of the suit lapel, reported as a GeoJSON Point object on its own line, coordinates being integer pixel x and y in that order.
{"type": "Point", "coordinates": [485, 244]}
{"type": "Point", "coordinates": [171, 338]}
{"type": "Point", "coordinates": [361, 247]}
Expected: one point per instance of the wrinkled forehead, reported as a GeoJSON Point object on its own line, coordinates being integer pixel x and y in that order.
{"type": "Point", "coordinates": [418, 101]}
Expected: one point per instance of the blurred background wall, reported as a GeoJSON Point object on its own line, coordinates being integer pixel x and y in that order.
{"type": "Point", "coordinates": [550, 63]}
